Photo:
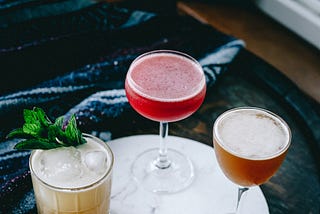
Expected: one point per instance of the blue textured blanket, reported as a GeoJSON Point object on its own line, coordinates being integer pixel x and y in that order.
{"type": "Point", "coordinates": [75, 63]}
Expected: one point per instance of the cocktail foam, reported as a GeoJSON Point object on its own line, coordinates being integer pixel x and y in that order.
{"type": "Point", "coordinates": [166, 77]}
{"type": "Point", "coordinates": [252, 133]}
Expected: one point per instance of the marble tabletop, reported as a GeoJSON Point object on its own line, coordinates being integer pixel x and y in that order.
{"type": "Point", "coordinates": [210, 191]}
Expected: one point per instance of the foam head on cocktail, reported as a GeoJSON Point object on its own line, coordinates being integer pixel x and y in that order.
{"type": "Point", "coordinates": [164, 86]}
{"type": "Point", "coordinates": [250, 144]}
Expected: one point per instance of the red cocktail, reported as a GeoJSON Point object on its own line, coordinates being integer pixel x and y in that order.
{"type": "Point", "coordinates": [164, 86]}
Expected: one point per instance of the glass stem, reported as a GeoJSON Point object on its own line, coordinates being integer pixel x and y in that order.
{"type": "Point", "coordinates": [241, 190]}
{"type": "Point", "coordinates": [162, 161]}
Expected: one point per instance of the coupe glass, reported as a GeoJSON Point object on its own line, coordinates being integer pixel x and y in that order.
{"type": "Point", "coordinates": [250, 144]}
{"type": "Point", "coordinates": [164, 86]}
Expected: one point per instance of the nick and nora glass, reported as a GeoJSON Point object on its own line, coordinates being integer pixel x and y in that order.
{"type": "Point", "coordinates": [73, 180]}
{"type": "Point", "coordinates": [250, 144]}
{"type": "Point", "coordinates": [164, 86]}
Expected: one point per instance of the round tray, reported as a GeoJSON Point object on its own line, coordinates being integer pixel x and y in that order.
{"type": "Point", "coordinates": [210, 191]}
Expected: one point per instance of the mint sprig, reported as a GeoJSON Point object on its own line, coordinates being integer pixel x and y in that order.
{"type": "Point", "coordinates": [39, 132]}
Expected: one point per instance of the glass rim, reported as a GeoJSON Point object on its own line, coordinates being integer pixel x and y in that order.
{"type": "Point", "coordinates": [135, 87]}
{"type": "Point", "coordinates": [218, 139]}
{"type": "Point", "coordinates": [84, 187]}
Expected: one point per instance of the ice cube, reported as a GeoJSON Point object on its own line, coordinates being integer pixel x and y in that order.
{"type": "Point", "coordinates": [96, 161]}
{"type": "Point", "coordinates": [61, 164]}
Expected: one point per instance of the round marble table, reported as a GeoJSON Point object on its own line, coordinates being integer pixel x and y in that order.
{"type": "Point", "coordinates": [210, 191]}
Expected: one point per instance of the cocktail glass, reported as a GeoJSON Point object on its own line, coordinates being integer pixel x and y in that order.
{"type": "Point", "coordinates": [164, 86]}
{"type": "Point", "coordinates": [250, 144]}
{"type": "Point", "coordinates": [73, 180]}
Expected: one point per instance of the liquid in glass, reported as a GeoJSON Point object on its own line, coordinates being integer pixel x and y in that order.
{"type": "Point", "coordinates": [73, 180]}
{"type": "Point", "coordinates": [250, 145]}
{"type": "Point", "coordinates": [164, 86]}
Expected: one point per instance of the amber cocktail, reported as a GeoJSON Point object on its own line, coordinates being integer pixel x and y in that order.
{"type": "Point", "coordinates": [250, 145]}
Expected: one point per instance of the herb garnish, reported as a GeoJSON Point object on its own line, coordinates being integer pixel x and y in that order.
{"type": "Point", "coordinates": [40, 133]}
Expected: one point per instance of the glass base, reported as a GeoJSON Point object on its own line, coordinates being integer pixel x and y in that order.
{"type": "Point", "coordinates": [176, 177]}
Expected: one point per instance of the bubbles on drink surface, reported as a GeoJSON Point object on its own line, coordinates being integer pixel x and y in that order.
{"type": "Point", "coordinates": [167, 76]}
{"type": "Point", "coordinates": [252, 134]}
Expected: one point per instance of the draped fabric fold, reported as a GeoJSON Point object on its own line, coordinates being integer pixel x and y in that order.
{"type": "Point", "coordinates": [87, 79]}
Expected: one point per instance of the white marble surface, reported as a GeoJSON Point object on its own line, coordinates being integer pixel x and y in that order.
{"type": "Point", "coordinates": [209, 193]}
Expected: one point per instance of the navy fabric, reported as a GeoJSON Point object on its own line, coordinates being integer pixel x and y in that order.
{"type": "Point", "coordinates": [77, 65]}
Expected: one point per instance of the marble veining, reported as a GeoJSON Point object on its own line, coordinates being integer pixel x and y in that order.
{"type": "Point", "coordinates": [210, 192]}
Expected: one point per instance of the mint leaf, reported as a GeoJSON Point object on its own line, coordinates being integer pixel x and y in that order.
{"type": "Point", "coordinates": [29, 116]}
{"type": "Point", "coordinates": [81, 139]}
{"type": "Point", "coordinates": [37, 115]}
{"type": "Point", "coordinates": [72, 135]}
{"type": "Point", "coordinates": [18, 133]}
{"type": "Point", "coordinates": [71, 130]}
{"type": "Point", "coordinates": [32, 129]}
{"type": "Point", "coordinates": [59, 122]}
{"type": "Point", "coordinates": [42, 117]}
{"type": "Point", "coordinates": [54, 133]}
{"type": "Point", "coordinates": [36, 144]}
{"type": "Point", "coordinates": [41, 133]}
